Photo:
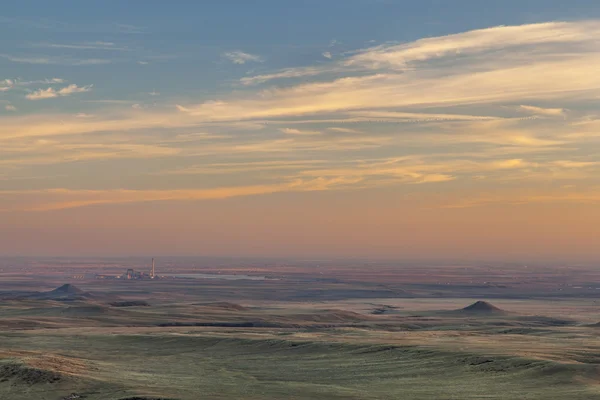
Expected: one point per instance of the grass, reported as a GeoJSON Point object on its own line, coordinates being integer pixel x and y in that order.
{"type": "Point", "coordinates": [308, 349]}
{"type": "Point", "coordinates": [183, 367]}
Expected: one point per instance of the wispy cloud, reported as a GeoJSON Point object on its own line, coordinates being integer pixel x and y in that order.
{"type": "Point", "coordinates": [98, 45]}
{"type": "Point", "coordinates": [58, 199]}
{"type": "Point", "coordinates": [110, 101]}
{"type": "Point", "coordinates": [131, 29]}
{"type": "Point", "coordinates": [9, 84]}
{"type": "Point", "coordinates": [342, 130]}
{"type": "Point", "coordinates": [500, 46]}
{"type": "Point", "coordinates": [293, 131]}
{"type": "Point", "coordinates": [505, 38]}
{"type": "Point", "coordinates": [48, 151]}
{"type": "Point", "coordinates": [49, 93]}
{"type": "Point", "coordinates": [61, 26]}
{"type": "Point", "coordinates": [239, 57]}
{"type": "Point", "coordinates": [476, 106]}
{"type": "Point", "coordinates": [504, 64]}
{"type": "Point", "coordinates": [285, 74]}
{"type": "Point", "coordinates": [576, 164]}
{"type": "Point", "coordinates": [237, 167]}
{"type": "Point", "coordinates": [51, 60]}
{"type": "Point", "coordinates": [519, 197]}
{"type": "Point", "coordinates": [553, 112]}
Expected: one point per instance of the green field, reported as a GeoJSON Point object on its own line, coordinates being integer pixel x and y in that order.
{"type": "Point", "coordinates": [190, 340]}
{"type": "Point", "coordinates": [194, 367]}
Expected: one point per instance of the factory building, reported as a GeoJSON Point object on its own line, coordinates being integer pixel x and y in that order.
{"type": "Point", "coordinates": [132, 274]}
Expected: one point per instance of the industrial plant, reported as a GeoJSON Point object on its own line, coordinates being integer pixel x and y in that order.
{"type": "Point", "coordinates": [132, 274]}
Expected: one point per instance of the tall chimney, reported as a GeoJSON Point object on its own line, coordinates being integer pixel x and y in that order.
{"type": "Point", "coordinates": [152, 274]}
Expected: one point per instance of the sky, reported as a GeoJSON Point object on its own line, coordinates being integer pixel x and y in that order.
{"type": "Point", "coordinates": [359, 128]}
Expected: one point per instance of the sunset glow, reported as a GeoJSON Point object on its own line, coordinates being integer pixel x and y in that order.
{"type": "Point", "coordinates": [128, 132]}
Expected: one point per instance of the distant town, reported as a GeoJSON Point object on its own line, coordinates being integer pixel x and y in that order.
{"type": "Point", "coordinates": [132, 274]}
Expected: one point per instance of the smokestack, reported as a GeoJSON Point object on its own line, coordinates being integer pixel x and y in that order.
{"type": "Point", "coordinates": [152, 274]}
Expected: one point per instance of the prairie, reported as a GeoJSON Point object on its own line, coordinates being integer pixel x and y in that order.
{"type": "Point", "coordinates": [294, 337]}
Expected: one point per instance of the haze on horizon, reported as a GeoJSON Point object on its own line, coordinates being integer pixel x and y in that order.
{"type": "Point", "coordinates": [385, 129]}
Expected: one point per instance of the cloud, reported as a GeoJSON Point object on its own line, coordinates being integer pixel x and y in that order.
{"type": "Point", "coordinates": [576, 164]}
{"type": "Point", "coordinates": [539, 62]}
{"type": "Point", "coordinates": [99, 45]}
{"type": "Point", "coordinates": [69, 27]}
{"type": "Point", "coordinates": [342, 130]}
{"type": "Point", "coordinates": [9, 84]}
{"type": "Point", "coordinates": [6, 85]}
{"type": "Point", "coordinates": [414, 170]}
{"type": "Point", "coordinates": [239, 57]}
{"type": "Point", "coordinates": [49, 93]}
{"type": "Point", "coordinates": [41, 94]}
{"type": "Point", "coordinates": [110, 101]}
{"type": "Point", "coordinates": [49, 152]}
{"type": "Point", "coordinates": [10, 107]}
{"type": "Point", "coordinates": [505, 38]}
{"type": "Point", "coordinates": [520, 197]}
{"type": "Point", "coordinates": [447, 107]}
{"type": "Point", "coordinates": [130, 29]}
{"type": "Point", "coordinates": [66, 91]}
{"type": "Point", "coordinates": [508, 164]}
{"type": "Point", "coordinates": [552, 112]}
{"type": "Point", "coordinates": [50, 60]}
{"type": "Point", "coordinates": [327, 54]}
{"type": "Point", "coordinates": [498, 48]}
{"type": "Point", "coordinates": [285, 74]}
{"type": "Point", "coordinates": [390, 116]}
{"type": "Point", "coordinates": [237, 167]}
{"type": "Point", "coordinates": [59, 199]}
{"type": "Point", "coordinates": [292, 131]}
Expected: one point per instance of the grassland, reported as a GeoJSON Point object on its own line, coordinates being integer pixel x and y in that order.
{"type": "Point", "coordinates": [192, 367]}
{"type": "Point", "coordinates": [200, 339]}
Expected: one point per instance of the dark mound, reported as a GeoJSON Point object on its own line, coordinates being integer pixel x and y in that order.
{"type": "Point", "coordinates": [131, 303]}
{"type": "Point", "coordinates": [482, 307]}
{"type": "Point", "coordinates": [66, 292]}
{"type": "Point", "coordinates": [24, 374]}
{"type": "Point", "coordinates": [69, 292]}
{"type": "Point", "coordinates": [67, 289]}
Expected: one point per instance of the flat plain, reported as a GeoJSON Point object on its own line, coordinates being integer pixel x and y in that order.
{"type": "Point", "coordinates": [256, 329]}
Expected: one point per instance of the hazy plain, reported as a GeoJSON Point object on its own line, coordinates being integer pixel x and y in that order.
{"type": "Point", "coordinates": [311, 330]}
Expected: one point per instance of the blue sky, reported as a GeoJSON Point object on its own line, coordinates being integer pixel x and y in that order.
{"type": "Point", "coordinates": [187, 38]}
{"type": "Point", "coordinates": [451, 114]}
